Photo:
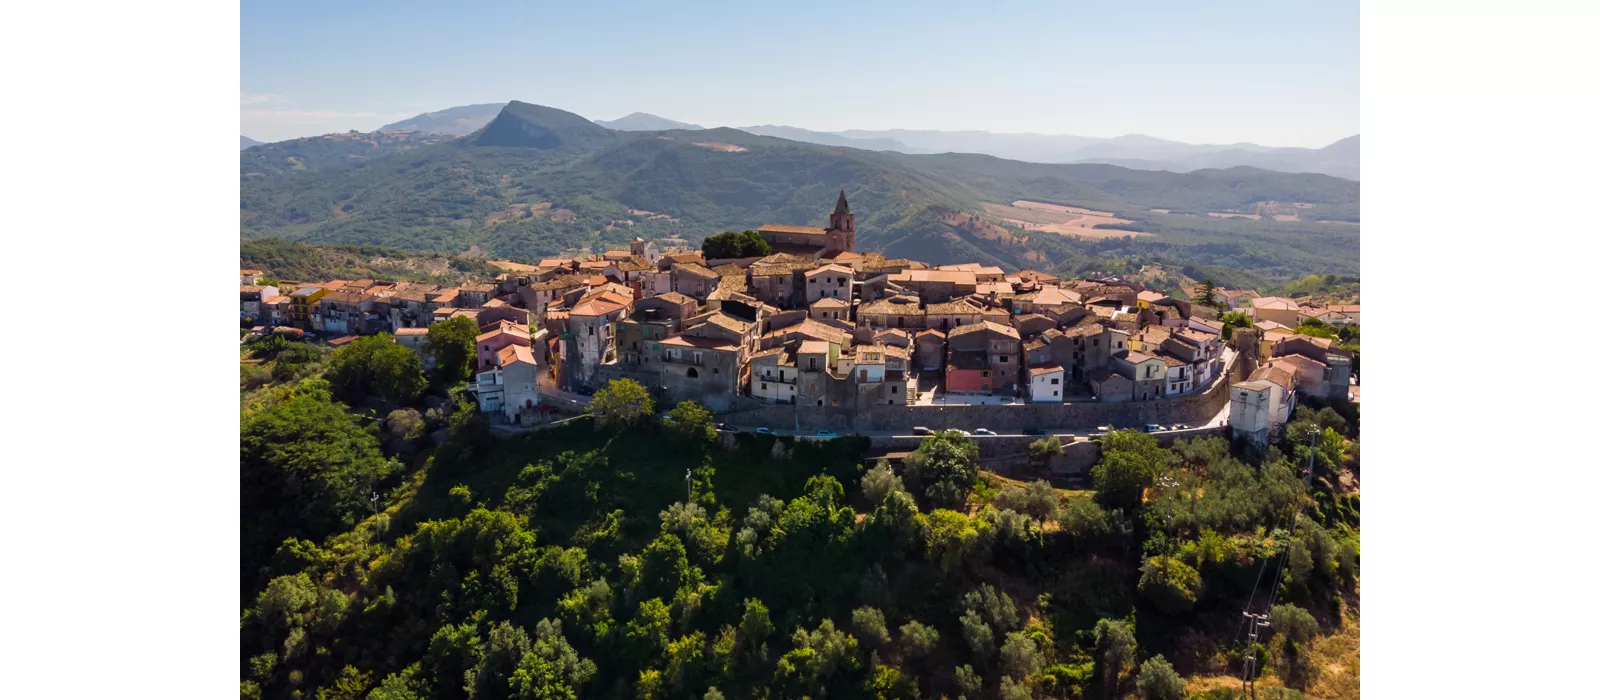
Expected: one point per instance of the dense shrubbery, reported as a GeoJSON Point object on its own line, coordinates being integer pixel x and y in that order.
{"type": "Point", "coordinates": [640, 559]}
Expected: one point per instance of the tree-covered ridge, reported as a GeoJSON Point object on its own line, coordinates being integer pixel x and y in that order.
{"type": "Point", "coordinates": [539, 181]}
{"type": "Point", "coordinates": [643, 559]}
{"type": "Point", "coordinates": [288, 260]}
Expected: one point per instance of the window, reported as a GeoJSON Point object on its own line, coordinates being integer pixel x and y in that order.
{"type": "Point", "coordinates": [1005, 358]}
{"type": "Point", "coordinates": [693, 374]}
{"type": "Point", "coordinates": [1097, 342]}
{"type": "Point", "coordinates": [763, 386]}
{"type": "Point", "coordinates": [1055, 380]}
{"type": "Point", "coordinates": [894, 390]}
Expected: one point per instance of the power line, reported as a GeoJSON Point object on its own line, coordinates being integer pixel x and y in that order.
{"type": "Point", "coordinates": [1254, 621]}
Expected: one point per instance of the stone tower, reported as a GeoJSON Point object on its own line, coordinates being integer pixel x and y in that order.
{"type": "Point", "coordinates": [842, 224]}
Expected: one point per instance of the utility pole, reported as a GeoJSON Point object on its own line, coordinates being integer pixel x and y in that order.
{"type": "Point", "coordinates": [1255, 621]}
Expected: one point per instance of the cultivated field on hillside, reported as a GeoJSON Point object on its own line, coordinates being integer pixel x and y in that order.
{"type": "Point", "coordinates": [1055, 218]}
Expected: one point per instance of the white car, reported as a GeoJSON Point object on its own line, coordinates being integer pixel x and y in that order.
{"type": "Point", "coordinates": [983, 431]}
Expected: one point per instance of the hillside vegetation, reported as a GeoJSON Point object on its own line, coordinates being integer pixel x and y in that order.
{"type": "Point", "coordinates": [538, 181]}
{"type": "Point", "coordinates": [288, 260]}
{"type": "Point", "coordinates": [624, 556]}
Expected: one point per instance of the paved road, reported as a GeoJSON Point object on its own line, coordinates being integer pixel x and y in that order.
{"type": "Point", "coordinates": [1220, 419]}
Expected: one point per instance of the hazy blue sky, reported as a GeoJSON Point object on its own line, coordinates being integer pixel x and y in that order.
{"type": "Point", "coordinates": [1274, 73]}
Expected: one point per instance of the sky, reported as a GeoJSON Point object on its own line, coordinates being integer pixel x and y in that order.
{"type": "Point", "coordinates": [1271, 73]}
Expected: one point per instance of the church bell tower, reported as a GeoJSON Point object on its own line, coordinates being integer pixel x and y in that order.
{"type": "Point", "coordinates": [843, 223]}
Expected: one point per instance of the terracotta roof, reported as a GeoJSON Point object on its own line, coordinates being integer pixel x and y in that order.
{"type": "Point", "coordinates": [728, 269]}
{"type": "Point", "coordinates": [1254, 385]}
{"type": "Point", "coordinates": [722, 320]}
{"type": "Point", "coordinates": [810, 327]}
{"type": "Point", "coordinates": [1270, 326]}
{"type": "Point", "coordinates": [410, 331]}
{"type": "Point", "coordinates": [1137, 357]}
{"type": "Point", "coordinates": [700, 343]}
{"type": "Point", "coordinates": [959, 307]}
{"type": "Point", "coordinates": [342, 340]}
{"type": "Point", "coordinates": [1044, 369]}
{"type": "Point", "coordinates": [778, 228]}
{"type": "Point", "coordinates": [884, 306]}
{"type": "Point", "coordinates": [1170, 360]}
{"type": "Point", "coordinates": [676, 298]}
{"type": "Point", "coordinates": [830, 267]}
{"type": "Point", "coordinates": [598, 307]}
{"type": "Point", "coordinates": [1276, 375]}
{"type": "Point", "coordinates": [830, 302]}
{"type": "Point", "coordinates": [931, 331]}
{"type": "Point", "coordinates": [1104, 375]}
{"type": "Point", "coordinates": [1280, 303]}
{"type": "Point", "coordinates": [512, 354]}
{"type": "Point", "coordinates": [504, 328]}
{"type": "Point", "coordinates": [950, 276]}
{"type": "Point", "coordinates": [696, 269]}
{"type": "Point", "coordinates": [990, 326]}
{"type": "Point", "coordinates": [809, 347]}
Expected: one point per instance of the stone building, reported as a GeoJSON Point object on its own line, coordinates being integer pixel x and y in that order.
{"type": "Point", "coordinates": [813, 242]}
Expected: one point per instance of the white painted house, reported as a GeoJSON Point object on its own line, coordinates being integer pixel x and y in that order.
{"type": "Point", "coordinates": [510, 390]}
{"type": "Point", "coordinates": [1046, 383]}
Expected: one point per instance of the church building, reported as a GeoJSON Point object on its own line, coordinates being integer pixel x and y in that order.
{"type": "Point", "coordinates": [838, 237]}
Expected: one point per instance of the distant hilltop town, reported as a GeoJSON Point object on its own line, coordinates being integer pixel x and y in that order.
{"type": "Point", "coordinates": [819, 326]}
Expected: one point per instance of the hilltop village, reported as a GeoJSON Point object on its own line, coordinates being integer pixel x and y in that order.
{"type": "Point", "coordinates": [817, 324]}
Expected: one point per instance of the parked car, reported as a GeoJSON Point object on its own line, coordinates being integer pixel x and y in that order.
{"type": "Point", "coordinates": [962, 433]}
{"type": "Point", "coordinates": [1032, 431]}
{"type": "Point", "coordinates": [723, 426]}
{"type": "Point", "coordinates": [1178, 426]}
{"type": "Point", "coordinates": [826, 434]}
{"type": "Point", "coordinates": [1105, 429]}
{"type": "Point", "coordinates": [1152, 428]}
{"type": "Point", "coordinates": [983, 431]}
{"type": "Point", "coordinates": [919, 430]}
{"type": "Point", "coordinates": [765, 431]}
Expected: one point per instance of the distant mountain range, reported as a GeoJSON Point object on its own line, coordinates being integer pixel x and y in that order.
{"type": "Point", "coordinates": [536, 181]}
{"type": "Point", "coordinates": [639, 121]}
{"type": "Point", "coordinates": [246, 142]}
{"type": "Point", "coordinates": [1340, 159]}
{"type": "Point", "coordinates": [455, 121]}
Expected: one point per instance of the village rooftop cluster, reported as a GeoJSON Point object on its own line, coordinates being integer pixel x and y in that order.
{"type": "Point", "coordinates": [816, 323]}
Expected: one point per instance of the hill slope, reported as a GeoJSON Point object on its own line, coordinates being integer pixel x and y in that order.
{"type": "Point", "coordinates": [455, 121]}
{"type": "Point", "coordinates": [538, 181]}
{"type": "Point", "coordinates": [246, 142]}
{"type": "Point", "coordinates": [640, 121]}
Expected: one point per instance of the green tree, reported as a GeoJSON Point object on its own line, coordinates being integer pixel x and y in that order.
{"type": "Point", "coordinates": [1294, 624]}
{"type": "Point", "coordinates": [491, 680]}
{"type": "Point", "coordinates": [968, 680]}
{"type": "Point", "coordinates": [1208, 294]}
{"type": "Point", "coordinates": [620, 403]}
{"type": "Point", "coordinates": [1235, 319]}
{"type": "Point", "coordinates": [755, 625]}
{"type": "Point", "coordinates": [879, 482]}
{"type": "Point", "coordinates": [399, 686]}
{"type": "Point", "coordinates": [1019, 656]}
{"type": "Point", "coordinates": [1036, 500]}
{"type": "Point", "coordinates": [918, 639]}
{"type": "Point", "coordinates": [691, 423]}
{"type": "Point", "coordinates": [451, 343]}
{"type": "Point", "coordinates": [1114, 650]}
{"type": "Point", "coordinates": [376, 366]}
{"type": "Point", "coordinates": [728, 244]}
{"type": "Point", "coordinates": [1041, 451]}
{"type": "Point", "coordinates": [1157, 681]}
{"type": "Point", "coordinates": [946, 464]}
{"type": "Point", "coordinates": [1169, 583]}
{"type": "Point", "coordinates": [404, 424]}
{"type": "Point", "coordinates": [869, 626]}
{"type": "Point", "coordinates": [1130, 462]}
{"type": "Point", "coordinates": [307, 467]}
{"type": "Point", "coordinates": [351, 684]}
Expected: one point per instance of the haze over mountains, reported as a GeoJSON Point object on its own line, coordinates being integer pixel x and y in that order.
{"type": "Point", "coordinates": [537, 181]}
{"type": "Point", "coordinates": [1140, 152]}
